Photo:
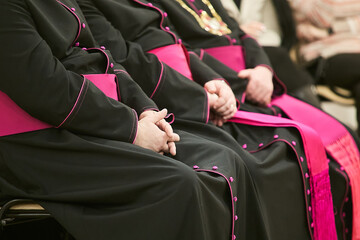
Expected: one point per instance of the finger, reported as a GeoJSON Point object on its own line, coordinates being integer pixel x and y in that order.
{"type": "Point", "coordinates": [212, 98]}
{"type": "Point", "coordinates": [157, 116]}
{"type": "Point", "coordinates": [230, 112]}
{"type": "Point", "coordinates": [210, 87]}
{"type": "Point", "coordinates": [244, 73]}
{"type": "Point", "coordinates": [174, 138]}
{"type": "Point", "coordinates": [166, 127]}
{"type": "Point", "coordinates": [219, 103]}
{"type": "Point", "coordinates": [165, 148]}
{"type": "Point", "coordinates": [220, 122]}
{"type": "Point", "coordinates": [225, 107]}
{"type": "Point", "coordinates": [172, 148]}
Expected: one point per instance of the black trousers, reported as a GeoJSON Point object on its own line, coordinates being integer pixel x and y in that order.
{"type": "Point", "coordinates": [342, 70]}
{"type": "Point", "coordinates": [297, 81]}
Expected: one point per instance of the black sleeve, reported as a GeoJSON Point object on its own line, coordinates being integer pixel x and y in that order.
{"type": "Point", "coordinates": [201, 72]}
{"type": "Point", "coordinates": [238, 85]}
{"type": "Point", "coordinates": [253, 52]}
{"type": "Point", "coordinates": [39, 83]}
{"type": "Point", "coordinates": [168, 88]}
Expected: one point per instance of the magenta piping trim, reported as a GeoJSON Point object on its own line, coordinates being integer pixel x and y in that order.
{"type": "Point", "coordinates": [302, 173]}
{"type": "Point", "coordinates": [208, 108]}
{"type": "Point", "coordinates": [160, 77]}
{"type": "Point", "coordinates": [172, 116]}
{"type": "Point", "coordinates": [229, 38]}
{"type": "Point", "coordinates": [343, 202]}
{"type": "Point", "coordinates": [274, 76]}
{"type": "Point", "coordinates": [137, 120]}
{"type": "Point", "coordinates": [232, 197]}
{"type": "Point", "coordinates": [194, 7]}
{"type": "Point", "coordinates": [121, 71]}
{"type": "Point", "coordinates": [316, 167]}
{"type": "Point", "coordinates": [243, 97]}
{"type": "Point", "coordinates": [162, 18]}
{"type": "Point", "coordinates": [78, 19]}
{"type": "Point", "coordinates": [107, 57]}
{"type": "Point", "coordinates": [77, 100]}
{"type": "Point", "coordinates": [202, 54]}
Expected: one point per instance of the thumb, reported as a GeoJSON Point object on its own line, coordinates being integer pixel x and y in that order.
{"type": "Point", "coordinates": [156, 117]}
{"type": "Point", "coordinates": [210, 87]}
{"type": "Point", "coordinates": [244, 73]}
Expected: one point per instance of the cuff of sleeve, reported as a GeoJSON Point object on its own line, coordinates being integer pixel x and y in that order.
{"type": "Point", "coordinates": [134, 131]}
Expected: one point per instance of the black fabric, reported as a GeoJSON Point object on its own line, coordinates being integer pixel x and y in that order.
{"type": "Point", "coordinates": [196, 38]}
{"type": "Point", "coordinates": [341, 70]}
{"type": "Point", "coordinates": [269, 159]}
{"type": "Point", "coordinates": [287, 23]}
{"type": "Point", "coordinates": [87, 174]}
{"type": "Point", "coordinates": [290, 74]}
{"type": "Point", "coordinates": [104, 189]}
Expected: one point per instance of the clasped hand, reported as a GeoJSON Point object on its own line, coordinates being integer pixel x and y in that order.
{"type": "Point", "coordinates": [155, 133]}
{"type": "Point", "coordinates": [221, 100]}
{"type": "Point", "coordinates": [260, 87]}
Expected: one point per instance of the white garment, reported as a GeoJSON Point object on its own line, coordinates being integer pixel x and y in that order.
{"type": "Point", "coordinates": [257, 11]}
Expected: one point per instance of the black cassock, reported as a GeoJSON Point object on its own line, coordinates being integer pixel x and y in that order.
{"type": "Point", "coordinates": [280, 179]}
{"type": "Point", "coordinates": [85, 170]}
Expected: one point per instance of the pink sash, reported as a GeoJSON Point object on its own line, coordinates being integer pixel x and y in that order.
{"type": "Point", "coordinates": [232, 56]}
{"type": "Point", "coordinates": [322, 206]}
{"type": "Point", "coordinates": [15, 120]}
{"type": "Point", "coordinates": [174, 56]}
{"type": "Point", "coordinates": [324, 222]}
{"type": "Point", "coordinates": [338, 143]}
{"type": "Point", "coordinates": [336, 139]}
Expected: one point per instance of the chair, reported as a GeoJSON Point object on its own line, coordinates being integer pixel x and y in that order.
{"type": "Point", "coordinates": [21, 210]}
{"type": "Point", "coordinates": [335, 94]}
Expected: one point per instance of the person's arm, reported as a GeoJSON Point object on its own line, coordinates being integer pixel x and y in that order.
{"type": "Point", "coordinates": [168, 88]}
{"type": "Point", "coordinates": [40, 84]}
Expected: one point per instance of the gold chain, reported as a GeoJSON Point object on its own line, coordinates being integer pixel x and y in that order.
{"type": "Point", "coordinates": [192, 12]}
{"type": "Point", "coordinates": [204, 20]}
{"type": "Point", "coordinates": [212, 10]}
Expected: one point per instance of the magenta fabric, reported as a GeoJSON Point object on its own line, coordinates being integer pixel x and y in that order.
{"type": "Point", "coordinates": [338, 143]}
{"type": "Point", "coordinates": [350, 164]}
{"type": "Point", "coordinates": [331, 133]}
{"type": "Point", "coordinates": [322, 205]}
{"type": "Point", "coordinates": [15, 120]}
{"type": "Point", "coordinates": [106, 83]}
{"type": "Point", "coordinates": [234, 199]}
{"type": "Point", "coordinates": [311, 116]}
{"type": "Point", "coordinates": [174, 56]}
{"type": "Point", "coordinates": [232, 56]}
